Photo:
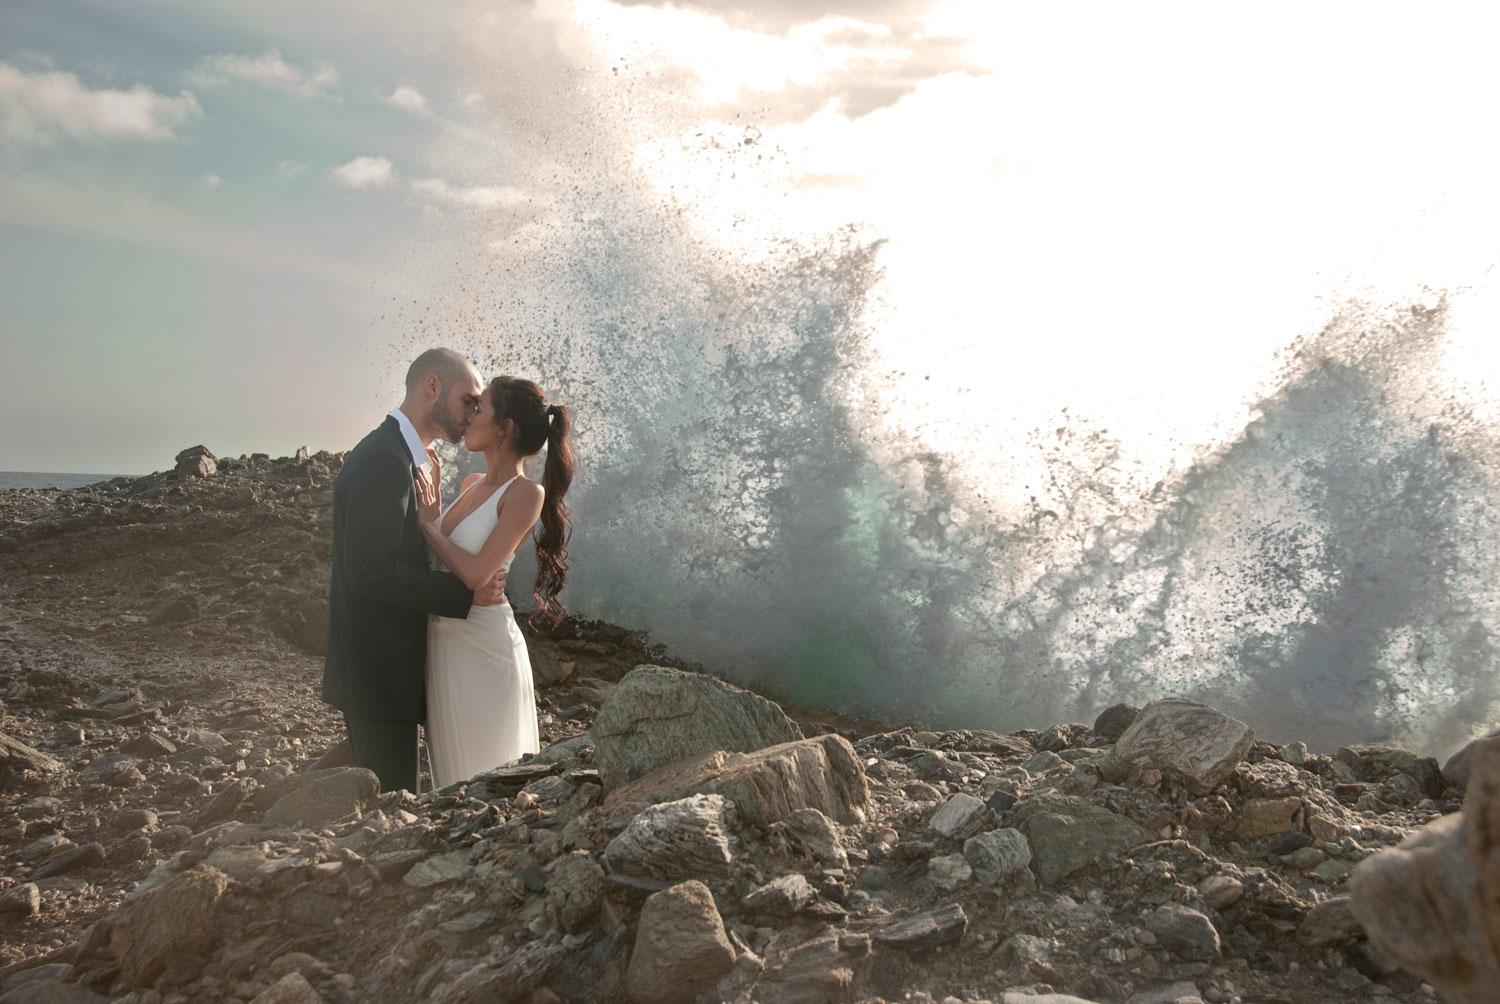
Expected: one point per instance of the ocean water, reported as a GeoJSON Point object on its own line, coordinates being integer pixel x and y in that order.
{"type": "Point", "coordinates": [12, 480]}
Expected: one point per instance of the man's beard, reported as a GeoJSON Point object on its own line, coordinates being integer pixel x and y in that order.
{"type": "Point", "coordinates": [444, 419]}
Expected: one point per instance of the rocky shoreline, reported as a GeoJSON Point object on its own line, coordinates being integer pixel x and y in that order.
{"type": "Point", "coordinates": [170, 833]}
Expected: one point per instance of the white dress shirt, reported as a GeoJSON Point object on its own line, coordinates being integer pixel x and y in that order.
{"type": "Point", "coordinates": [414, 442]}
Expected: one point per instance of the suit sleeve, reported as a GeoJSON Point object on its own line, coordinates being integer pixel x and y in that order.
{"type": "Point", "coordinates": [375, 520]}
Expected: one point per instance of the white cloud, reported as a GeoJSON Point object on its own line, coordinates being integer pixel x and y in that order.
{"type": "Point", "coordinates": [291, 169]}
{"type": "Point", "coordinates": [40, 107]}
{"type": "Point", "coordinates": [212, 181]}
{"type": "Point", "coordinates": [408, 99]}
{"type": "Point", "coordinates": [481, 197]}
{"type": "Point", "coordinates": [268, 70]}
{"type": "Point", "coordinates": [365, 172]}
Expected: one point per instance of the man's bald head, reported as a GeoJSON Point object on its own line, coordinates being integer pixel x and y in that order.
{"type": "Point", "coordinates": [442, 394]}
{"type": "Point", "coordinates": [445, 364]}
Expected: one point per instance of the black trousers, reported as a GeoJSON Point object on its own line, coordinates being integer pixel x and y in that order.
{"type": "Point", "coordinates": [387, 748]}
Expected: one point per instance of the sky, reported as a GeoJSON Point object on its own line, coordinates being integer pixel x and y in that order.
{"type": "Point", "coordinates": [227, 224]}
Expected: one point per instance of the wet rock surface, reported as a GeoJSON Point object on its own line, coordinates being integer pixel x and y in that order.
{"type": "Point", "coordinates": [176, 823]}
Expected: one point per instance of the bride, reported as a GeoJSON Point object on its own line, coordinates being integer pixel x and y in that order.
{"type": "Point", "coordinates": [481, 710]}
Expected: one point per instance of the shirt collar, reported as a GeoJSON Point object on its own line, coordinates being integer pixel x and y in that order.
{"type": "Point", "coordinates": [414, 443]}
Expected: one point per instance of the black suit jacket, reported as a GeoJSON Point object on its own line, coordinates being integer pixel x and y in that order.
{"type": "Point", "coordinates": [381, 588]}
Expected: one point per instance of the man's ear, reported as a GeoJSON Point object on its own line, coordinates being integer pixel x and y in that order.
{"type": "Point", "coordinates": [434, 386]}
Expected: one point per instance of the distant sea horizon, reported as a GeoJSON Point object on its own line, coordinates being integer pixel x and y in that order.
{"type": "Point", "coordinates": [15, 480]}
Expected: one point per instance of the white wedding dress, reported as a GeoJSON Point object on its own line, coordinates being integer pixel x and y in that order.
{"type": "Point", "coordinates": [481, 708]}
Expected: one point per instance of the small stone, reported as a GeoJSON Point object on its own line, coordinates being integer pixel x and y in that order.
{"type": "Point", "coordinates": [1294, 753]}
{"type": "Point", "coordinates": [949, 871]}
{"type": "Point", "coordinates": [23, 900]}
{"type": "Point", "coordinates": [131, 820]}
{"type": "Point", "coordinates": [1305, 859]}
{"type": "Point", "coordinates": [1328, 923]}
{"type": "Point", "coordinates": [148, 746]}
{"type": "Point", "coordinates": [960, 817]}
{"type": "Point", "coordinates": [292, 988]}
{"type": "Point", "coordinates": [943, 926]}
{"type": "Point", "coordinates": [998, 855]}
{"type": "Point", "coordinates": [782, 896]}
{"type": "Point", "coordinates": [1185, 932]}
{"type": "Point", "coordinates": [70, 859]}
{"type": "Point", "coordinates": [1220, 891]}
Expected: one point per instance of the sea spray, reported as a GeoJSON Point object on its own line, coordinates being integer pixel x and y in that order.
{"type": "Point", "coordinates": [1324, 573]}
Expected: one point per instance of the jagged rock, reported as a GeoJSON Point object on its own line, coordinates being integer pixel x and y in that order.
{"type": "Point", "coordinates": [575, 890]}
{"type": "Point", "coordinates": [782, 896]}
{"type": "Point", "coordinates": [1009, 997]}
{"type": "Point", "coordinates": [960, 817]}
{"type": "Point", "coordinates": [1330, 922]}
{"type": "Point", "coordinates": [1068, 834]}
{"type": "Point", "coordinates": [681, 948]}
{"type": "Point", "coordinates": [1188, 742]}
{"type": "Point", "coordinates": [1185, 932]}
{"type": "Point", "coordinates": [765, 786]}
{"type": "Point", "coordinates": [70, 859]}
{"type": "Point", "coordinates": [508, 975]}
{"type": "Point", "coordinates": [1378, 761]}
{"type": "Point", "coordinates": [1113, 721]}
{"type": "Point", "coordinates": [816, 835]}
{"type": "Point", "coordinates": [998, 855]}
{"type": "Point", "coordinates": [439, 869]}
{"type": "Point", "coordinates": [196, 462]}
{"type": "Point", "coordinates": [167, 928]}
{"type": "Point", "coordinates": [1428, 902]}
{"type": "Point", "coordinates": [16, 755]}
{"type": "Point", "coordinates": [324, 796]}
{"type": "Point", "coordinates": [657, 716]}
{"type": "Point", "coordinates": [1267, 817]}
{"type": "Point", "coordinates": [23, 900]}
{"type": "Point", "coordinates": [943, 926]}
{"type": "Point", "coordinates": [686, 838]}
{"type": "Point", "coordinates": [292, 988]}
{"type": "Point", "coordinates": [148, 746]}
{"type": "Point", "coordinates": [1457, 767]}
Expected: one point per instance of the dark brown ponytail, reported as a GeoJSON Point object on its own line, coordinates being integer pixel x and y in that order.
{"type": "Point", "coordinates": [538, 424]}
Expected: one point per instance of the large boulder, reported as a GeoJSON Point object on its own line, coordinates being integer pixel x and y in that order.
{"type": "Point", "coordinates": [681, 948]}
{"type": "Point", "coordinates": [323, 796]}
{"type": "Point", "coordinates": [1430, 903]}
{"type": "Point", "coordinates": [1188, 742]}
{"type": "Point", "coordinates": [657, 716]}
{"type": "Point", "coordinates": [765, 786]}
{"type": "Point", "coordinates": [167, 928]}
{"type": "Point", "coordinates": [1457, 767]}
{"type": "Point", "coordinates": [196, 462]}
{"type": "Point", "coordinates": [1070, 834]}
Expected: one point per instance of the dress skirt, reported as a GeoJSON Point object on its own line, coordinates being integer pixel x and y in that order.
{"type": "Point", "coordinates": [481, 708]}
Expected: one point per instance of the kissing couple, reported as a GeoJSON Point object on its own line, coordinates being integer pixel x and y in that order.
{"type": "Point", "coordinates": [419, 630]}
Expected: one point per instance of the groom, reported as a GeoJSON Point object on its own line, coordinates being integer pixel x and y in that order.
{"type": "Point", "coordinates": [382, 590]}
